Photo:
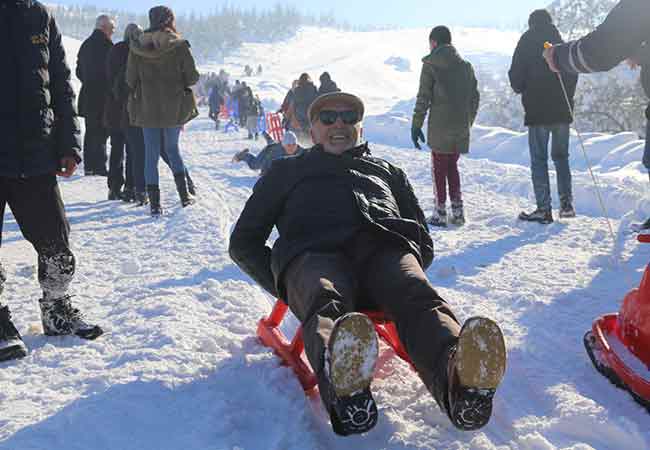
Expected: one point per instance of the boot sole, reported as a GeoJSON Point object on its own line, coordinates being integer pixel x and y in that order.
{"type": "Point", "coordinates": [353, 351]}
{"type": "Point", "coordinates": [479, 366]}
{"type": "Point", "coordinates": [480, 359]}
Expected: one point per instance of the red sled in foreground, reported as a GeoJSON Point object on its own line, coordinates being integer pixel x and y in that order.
{"type": "Point", "coordinates": [619, 344]}
{"type": "Point", "coordinates": [292, 353]}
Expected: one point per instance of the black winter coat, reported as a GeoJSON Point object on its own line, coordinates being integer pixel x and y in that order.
{"type": "Point", "coordinates": [541, 92]}
{"type": "Point", "coordinates": [621, 35]}
{"type": "Point", "coordinates": [91, 71]}
{"type": "Point", "coordinates": [327, 86]}
{"type": "Point", "coordinates": [296, 197]}
{"type": "Point", "coordinates": [116, 116]}
{"type": "Point", "coordinates": [303, 97]}
{"type": "Point", "coordinates": [38, 123]}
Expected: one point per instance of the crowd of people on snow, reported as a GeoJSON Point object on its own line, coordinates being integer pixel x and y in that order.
{"type": "Point", "coordinates": [138, 93]}
{"type": "Point", "coordinates": [351, 233]}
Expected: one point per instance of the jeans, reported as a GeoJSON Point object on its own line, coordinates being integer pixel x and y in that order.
{"type": "Point", "coordinates": [152, 140]}
{"type": "Point", "coordinates": [646, 150]}
{"type": "Point", "coordinates": [538, 137]}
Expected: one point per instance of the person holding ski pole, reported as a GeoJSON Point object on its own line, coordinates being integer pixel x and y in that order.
{"type": "Point", "coordinates": [624, 34]}
{"type": "Point", "coordinates": [546, 115]}
{"type": "Point", "coordinates": [352, 237]}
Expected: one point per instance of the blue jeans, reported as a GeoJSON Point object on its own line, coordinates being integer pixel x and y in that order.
{"type": "Point", "coordinates": [646, 150]}
{"type": "Point", "coordinates": [538, 137]}
{"type": "Point", "coordinates": [152, 139]}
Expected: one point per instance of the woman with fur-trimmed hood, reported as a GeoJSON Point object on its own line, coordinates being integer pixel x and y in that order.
{"type": "Point", "coordinates": [160, 71]}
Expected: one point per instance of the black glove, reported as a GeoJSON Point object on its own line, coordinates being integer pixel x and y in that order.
{"type": "Point", "coordinates": [416, 136]}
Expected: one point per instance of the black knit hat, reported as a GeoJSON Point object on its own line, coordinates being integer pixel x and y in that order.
{"type": "Point", "coordinates": [539, 18]}
{"type": "Point", "coordinates": [160, 17]}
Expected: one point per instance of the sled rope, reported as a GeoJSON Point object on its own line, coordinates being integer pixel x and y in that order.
{"type": "Point", "coordinates": [584, 152]}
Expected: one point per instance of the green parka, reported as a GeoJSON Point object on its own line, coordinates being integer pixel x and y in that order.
{"type": "Point", "coordinates": [448, 91]}
{"type": "Point", "coordinates": [159, 72]}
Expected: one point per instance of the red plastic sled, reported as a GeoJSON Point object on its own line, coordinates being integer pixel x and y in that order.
{"type": "Point", "coordinates": [619, 344]}
{"type": "Point", "coordinates": [292, 353]}
{"type": "Point", "coordinates": [274, 126]}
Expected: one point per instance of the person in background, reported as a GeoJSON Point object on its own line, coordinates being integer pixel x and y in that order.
{"type": "Point", "coordinates": [326, 84]}
{"type": "Point", "coordinates": [448, 93]}
{"type": "Point", "coordinates": [547, 114]}
{"type": "Point", "coordinates": [116, 119]}
{"type": "Point", "coordinates": [303, 96]}
{"type": "Point", "coordinates": [262, 162]}
{"type": "Point", "coordinates": [91, 71]}
{"type": "Point", "coordinates": [161, 70]}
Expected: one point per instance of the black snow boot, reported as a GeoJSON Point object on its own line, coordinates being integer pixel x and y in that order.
{"type": "Point", "coordinates": [128, 195]}
{"type": "Point", "coordinates": [181, 187]}
{"type": "Point", "coordinates": [438, 218]}
{"type": "Point", "coordinates": [141, 199]}
{"type": "Point", "coordinates": [11, 344]}
{"type": "Point", "coordinates": [566, 210]}
{"type": "Point", "coordinates": [539, 215]}
{"type": "Point", "coordinates": [61, 318]}
{"type": "Point", "coordinates": [114, 194]}
{"type": "Point", "coordinates": [350, 361]}
{"type": "Point", "coordinates": [154, 200]}
{"type": "Point", "coordinates": [476, 367]}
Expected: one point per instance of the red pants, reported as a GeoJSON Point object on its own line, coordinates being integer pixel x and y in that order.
{"type": "Point", "coordinates": [444, 170]}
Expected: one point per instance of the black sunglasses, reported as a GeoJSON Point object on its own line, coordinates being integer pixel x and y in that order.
{"type": "Point", "coordinates": [328, 117]}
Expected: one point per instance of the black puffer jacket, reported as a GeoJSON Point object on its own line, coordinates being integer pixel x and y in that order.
{"type": "Point", "coordinates": [540, 89]}
{"type": "Point", "coordinates": [38, 121]}
{"type": "Point", "coordinates": [91, 70]}
{"type": "Point", "coordinates": [296, 196]}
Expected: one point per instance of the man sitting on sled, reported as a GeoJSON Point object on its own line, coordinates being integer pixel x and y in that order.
{"type": "Point", "coordinates": [352, 237]}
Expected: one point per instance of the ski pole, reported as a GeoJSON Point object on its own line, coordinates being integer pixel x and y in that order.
{"type": "Point", "coordinates": [548, 45]}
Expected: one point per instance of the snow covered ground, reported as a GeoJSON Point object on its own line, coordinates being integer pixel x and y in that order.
{"type": "Point", "coordinates": [180, 368]}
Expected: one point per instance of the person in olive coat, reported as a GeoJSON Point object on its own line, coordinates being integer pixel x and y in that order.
{"type": "Point", "coordinates": [160, 71]}
{"type": "Point", "coordinates": [91, 71]}
{"type": "Point", "coordinates": [448, 92]}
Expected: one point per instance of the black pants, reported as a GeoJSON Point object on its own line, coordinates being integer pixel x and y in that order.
{"type": "Point", "coordinates": [323, 286]}
{"type": "Point", "coordinates": [116, 162]}
{"type": "Point", "coordinates": [38, 209]}
{"type": "Point", "coordinates": [94, 152]}
{"type": "Point", "coordinates": [135, 148]}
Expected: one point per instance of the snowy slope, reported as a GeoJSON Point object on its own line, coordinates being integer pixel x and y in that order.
{"type": "Point", "coordinates": [180, 367]}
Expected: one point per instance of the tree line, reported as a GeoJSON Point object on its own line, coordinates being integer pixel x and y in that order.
{"type": "Point", "coordinates": [212, 35]}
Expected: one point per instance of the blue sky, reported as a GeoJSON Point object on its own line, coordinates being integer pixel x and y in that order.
{"type": "Point", "coordinates": [406, 13]}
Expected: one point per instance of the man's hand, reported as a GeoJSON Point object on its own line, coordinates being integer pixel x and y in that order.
{"type": "Point", "coordinates": [549, 56]}
{"type": "Point", "coordinates": [68, 166]}
{"type": "Point", "coordinates": [417, 136]}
